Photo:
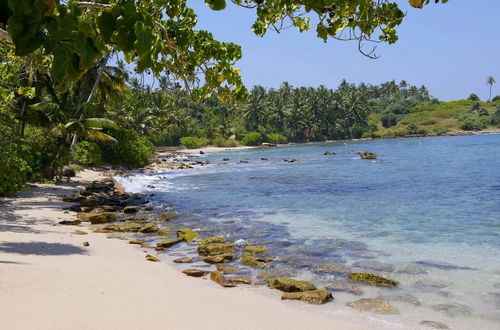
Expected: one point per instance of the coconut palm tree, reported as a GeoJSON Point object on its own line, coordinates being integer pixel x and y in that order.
{"type": "Point", "coordinates": [490, 81]}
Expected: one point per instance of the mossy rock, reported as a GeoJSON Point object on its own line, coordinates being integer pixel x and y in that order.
{"type": "Point", "coordinates": [149, 228]}
{"type": "Point", "coordinates": [136, 241]}
{"type": "Point", "coordinates": [152, 258]}
{"type": "Point", "coordinates": [166, 217]}
{"type": "Point", "coordinates": [163, 232]}
{"type": "Point", "coordinates": [219, 278]}
{"type": "Point", "coordinates": [214, 245]}
{"type": "Point", "coordinates": [195, 272]}
{"type": "Point", "coordinates": [105, 217]}
{"type": "Point", "coordinates": [82, 216]}
{"type": "Point", "coordinates": [183, 260]}
{"type": "Point", "coordinates": [256, 250]}
{"type": "Point", "coordinates": [290, 285]}
{"type": "Point", "coordinates": [187, 235]}
{"type": "Point", "coordinates": [367, 155]}
{"type": "Point", "coordinates": [333, 268]}
{"type": "Point", "coordinates": [226, 269]}
{"type": "Point", "coordinates": [374, 306]}
{"type": "Point", "coordinates": [131, 226]}
{"type": "Point", "coordinates": [256, 262]}
{"type": "Point", "coordinates": [373, 279]}
{"type": "Point", "coordinates": [239, 280]}
{"type": "Point", "coordinates": [217, 259]}
{"type": "Point", "coordinates": [316, 297]}
{"type": "Point", "coordinates": [168, 242]}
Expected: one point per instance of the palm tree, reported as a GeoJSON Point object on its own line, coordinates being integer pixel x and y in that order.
{"type": "Point", "coordinates": [490, 81]}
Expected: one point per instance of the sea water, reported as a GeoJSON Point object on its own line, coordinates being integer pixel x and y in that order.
{"type": "Point", "coordinates": [426, 212]}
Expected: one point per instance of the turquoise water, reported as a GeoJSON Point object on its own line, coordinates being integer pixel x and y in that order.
{"type": "Point", "coordinates": [426, 212]}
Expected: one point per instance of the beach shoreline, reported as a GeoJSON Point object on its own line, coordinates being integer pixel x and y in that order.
{"type": "Point", "coordinates": [51, 281]}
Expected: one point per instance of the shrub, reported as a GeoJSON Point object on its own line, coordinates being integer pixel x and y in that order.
{"type": "Point", "coordinates": [277, 138]}
{"type": "Point", "coordinates": [474, 97]}
{"type": "Point", "coordinates": [496, 98]}
{"type": "Point", "coordinates": [483, 112]}
{"type": "Point", "coordinates": [131, 150]}
{"type": "Point", "coordinates": [193, 142]}
{"type": "Point", "coordinates": [471, 123]}
{"type": "Point", "coordinates": [440, 130]}
{"type": "Point", "coordinates": [14, 170]}
{"type": "Point", "coordinates": [219, 141]}
{"type": "Point", "coordinates": [87, 154]}
{"type": "Point", "coordinates": [495, 119]}
{"type": "Point", "coordinates": [413, 128]}
{"type": "Point", "coordinates": [252, 139]}
{"type": "Point", "coordinates": [388, 119]}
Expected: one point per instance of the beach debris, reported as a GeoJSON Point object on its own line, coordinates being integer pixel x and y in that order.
{"type": "Point", "coordinates": [136, 241]}
{"type": "Point", "coordinates": [104, 217]}
{"type": "Point", "coordinates": [168, 242]}
{"type": "Point", "coordinates": [226, 269]}
{"type": "Point", "coordinates": [187, 235]}
{"type": "Point", "coordinates": [195, 272]}
{"type": "Point", "coordinates": [219, 278]}
{"type": "Point", "coordinates": [152, 258]}
{"type": "Point", "coordinates": [239, 280]}
{"type": "Point", "coordinates": [367, 155]}
{"type": "Point", "coordinates": [70, 222]}
{"type": "Point", "coordinates": [337, 268]}
{"type": "Point", "coordinates": [213, 246]}
{"type": "Point", "coordinates": [217, 259]}
{"type": "Point", "coordinates": [373, 306]}
{"type": "Point", "coordinates": [130, 209]}
{"type": "Point", "coordinates": [344, 287]}
{"type": "Point", "coordinates": [373, 279]}
{"type": "Point", "coordinates": [149, 228]}
{"type": "Point", "coordinates": [182, 260]}
{"type": "Point", "coordinates": [166, 217]}
{"type": "Point", "coordinates": [316, 297]}
{"type": "Point", "coordinates": [374, 265]}
{"type": "Point", "coordinates": [435, 325]}
{"type": "Point", "coordinates": [442, 265]}
{"type": "Point", "coordinates": [329, 153]}
{"type": "Point", "coordinates": [290, 285]}
{"type": "Point", "coordinates": [86, 243]}
{"type": "Point", "coordinates": [79, 232]}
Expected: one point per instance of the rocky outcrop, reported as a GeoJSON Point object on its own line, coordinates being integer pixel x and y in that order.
{"type": "Point", "coordinates": [373, 279]}
{"type": "Point", "coordinates": [316, 297]}
{"type": "Point", "coordinates": [290, 285]}
{"type": "Point", "coordinates": [329, 153]}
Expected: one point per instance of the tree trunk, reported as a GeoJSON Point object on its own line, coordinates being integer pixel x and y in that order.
{"type": "Point", "coordinates": [89, 98]}
{"type": "Point", "coordinates": [489, 99]}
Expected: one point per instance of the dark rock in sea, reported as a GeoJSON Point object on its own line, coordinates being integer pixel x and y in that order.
{"type": "Point", "coordinates": [373, 306]}
{"type": "Point", "coordinates": [214, 245]}
{"type": "Point", "coordinates": [195, 272]}
{"type": "Point", "coordinates": [183, 260]}
{"type": "Point", "coordinates": [290, 160]}
{"type": "Point", "coordinates": [130, 209]}
{"type": "Point", "coordinates": [329, 153]}
{"type": "Point", "coordinates": [202, 152]}
{"type": "Point", "coordinates": [453, 310]}
{"type": "Point", "coordinates": [243, 161]}
{"type": "Point", "coordinates": [290, 285]}
{"type": "Point", "coordinates": [264, 158]}
{"type": "Point", "coordinates": [442, 265]}
{"type": "Point", "coordinates": [217, 259]}
{"type": "Point", "coordinates": [152, 258]}
{"type": "Point", "coordinates": [168, 242]}
{"type": "Point", "coordinates": [435, 325]}
{"type": "Point", "coordinates": [344, 287]}
{"type": "Point", "coordinates": [373, 279]}
{"type": "Point", "coordinates": [374, 265]}
{"type": "Point", "coordinates": [225, 159]}
{"type": "Point", "coordinates": [219, 278]}
{"type": "Point", "coordinates": [367, 155]}
{"type": "Point", "coordinates": [255, 250]}
{"type": "Point", "coordinates": [70, 222]}
{"type": "Point", "coordinates": [316, 297]}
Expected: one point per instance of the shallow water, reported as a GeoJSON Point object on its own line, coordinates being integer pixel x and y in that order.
{"type": "Point", "coordinates": [426, 212]}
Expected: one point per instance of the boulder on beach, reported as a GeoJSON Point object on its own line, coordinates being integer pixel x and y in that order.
{"type": "Point", "coordinates": [239, 280]}
{"type": "Point", "coordinates": [316, 297]}
{"type": "Point", "coordinates": [130, 209]}
{"type": "Point", "coordinates": [104, 217]}
{"type": "Point", "coordinates": [373, 279]}
{"type": "Point", "coordinates": [373, 306]}
{"type": "Point", "coordinates": [226, 269]}
{"type": "Point", "coordinates": [217, 259]}
{"type": "Point", "coordinates": [70, 222]}
{"type": "Point", "coordinates": [168, 242]}
{"type": "Point", "coordinates": [195, 272]}
{"type": "Point", "coordinates": [290, 285]}
{"type": "Point", "coordinates": [219, 278]}
{"type": "Point", "coordinates": [152, 258]}
{"type": "Point", "coordinates": [136, 241]}
{"type": "Point", "coordinates": [182, 260]}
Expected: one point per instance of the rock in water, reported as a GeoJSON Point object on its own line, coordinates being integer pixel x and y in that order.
{"type": "Point", "coordinates": [329, 153]}
{"type": "Point", "coordinates": [374, 265]}
{"type": "Point", "coordinates": [256, 250]}
{"type": "Point", "coordinates": [183, 260]}
{"type": "Point", "coordinates": [152, 258]}
{"type": "Point", "coordinates": [187, 235]}
{"type": "Point", "coordinates": [130, 209]}
{"type": "Point", "coordinates": [442, 265]}
{"type": "Point", "coordinates": [168, 242]}
{"type": "Point", "coordinates": [218, 278]}
{"type": "Point", "coordinates": [344, 287]}
{"type": "Point", "coordinates": [195, 272]}
{"type": "Point", "coordinates": [374, 306]}
{"type": "Point", "coordinates": [316, 297]}
{"type": "Point", "coordinates": [290, 285]}
{"type": "Point", "coordinates": [218, 259]}
{"type": "Point", "coordinates": [213, 246]}
{"type": "Point", "coordinates": [241, 280]}
{"type": "Point", "coordinates": [70, 222]}
{"type": "Point", "coordinates": [149, 228]}
{"type": "Point", "coordinates": [435, 325]}
{"type": "Point", "coordinates": [367, 155]}
{"type": "Point", "coordinates": [373, 279]}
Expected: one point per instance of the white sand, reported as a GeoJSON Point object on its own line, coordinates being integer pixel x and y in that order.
{"type": "Point", "coordinates": [48, 280]}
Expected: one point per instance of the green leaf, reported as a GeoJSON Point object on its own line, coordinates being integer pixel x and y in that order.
{"type": "Point", "coordinates": [216, 4]}
{"type": "Point", "coordinates": [144, 38]}
{"type": "Point", "coordinates": [65, 66]}
{"type": "Point", "coordinates": [107, 25]}
{"type": "Point", "coordinates": [86, 51]}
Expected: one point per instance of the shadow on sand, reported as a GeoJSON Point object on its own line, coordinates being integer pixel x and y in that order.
{"type": "Point", "coordinates": [40, 248]}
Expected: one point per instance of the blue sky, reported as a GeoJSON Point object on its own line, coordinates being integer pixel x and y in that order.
{"type": "Point", "coordinates": [451, 48]}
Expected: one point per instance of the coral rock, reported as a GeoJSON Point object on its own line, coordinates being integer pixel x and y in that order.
{"type": "Point", "coordinates": [316, 297]}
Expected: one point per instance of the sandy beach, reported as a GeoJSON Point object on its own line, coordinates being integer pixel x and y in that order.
{"type": "Point", "coordinates": [49, 280]}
